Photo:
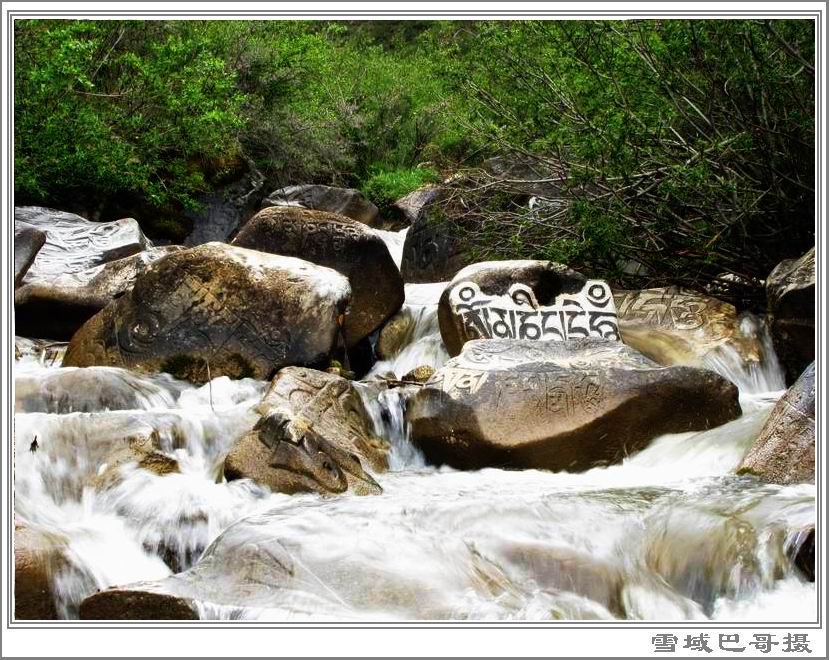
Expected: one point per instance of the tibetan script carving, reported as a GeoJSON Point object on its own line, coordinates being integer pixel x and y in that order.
{"type": "Point", "coordinates": [518, 315]}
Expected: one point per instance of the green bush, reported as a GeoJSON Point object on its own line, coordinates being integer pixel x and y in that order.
{"type": "Point", "coordinates": [384, 188]}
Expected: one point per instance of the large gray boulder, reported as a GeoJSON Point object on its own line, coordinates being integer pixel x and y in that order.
{"type": "Point", "coordinates": [218, 310]}
{"type": "Point", "coordinates": [343, 201]}
{"type": "Point", "coordinates": [57, 308]}
{"type": "Point", "coordinates": [337, 242]}
{"type": "Point", "coordinates": [534, 300]}
{"type": "Point", "coordinates": [791, 290]}
{"type": "Point", "coordinates": [74, 244]}
{"type": "Point", "coordinates": [314, 436]}
{"type": "Point", "coordinates": [676, 326]}
{"type": "Point", "coordinates": [27, 243]}
{"type": "Point", "coordinates": [785, 452]}
{"type": "Point", "coordinates": [556, 405]}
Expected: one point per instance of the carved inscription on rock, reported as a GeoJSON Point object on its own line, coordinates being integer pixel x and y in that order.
{"type": "Point", "coordinates": [518, 315]}
{"type": "Point", "coordinates": [676, 310]}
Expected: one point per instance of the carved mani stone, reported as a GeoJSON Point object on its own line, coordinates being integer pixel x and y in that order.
{"type": "Point", "coordinates": [338, 242]}
{"type": "Point", "coordinates": [314, 436]}
{"type": "Point", "coordinates": [529, 300]}
{"type": "Point", "coordinates": [220, 310]}
{"type": "Point", "coordinates": [672, 325]}
{"type": "Point", "coordinates": [559, 405]}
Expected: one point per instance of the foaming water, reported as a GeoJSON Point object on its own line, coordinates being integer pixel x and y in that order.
{"type": "Point", "coordinates": [749, 360]}
{"type": "Point", "coordinates": [422, 344]}
{"type": "Point", "coordinates": [668, 534]}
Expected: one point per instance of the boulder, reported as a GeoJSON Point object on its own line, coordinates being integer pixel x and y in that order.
{"type": "Point", "coordinates": [419, 374]}
{"type": "Point", "coordinates": [137, 605]}
{"type": "Point", "coordinates": [37, 555]}
{"type": "Point", "coordinates": [791, 288]}
{"type": "Point", "coordinates": [533, 300]}
{"type": "Point", "coordinates": [74, 244]}
{"type": "Point", "coordinates": [143, 449]}
{"type": "Point", "coordinates": [675, 326]}
{"type": "Point", "coordinates": [343, 201]}
{"type": "Point", "coordinates": [409, 208]}
{"type": "Point", "coordinates": [802, 552]}
{"type": "Point", "coordinates": [785, 451]}
{"type": "Point", "coordinates": [314, 436]}
{"type": "Point", "coordinates": [528, 175]}
{"type": "Point", "coordinates": [433, 250]}
{"type": "Point", "coordinates": [27, 243]}
{"type": "Point", "coordinates": [340, 243]}
{"type": "Point", "coordinates": [56, 309]}
{"type": "Point", "coordinates": [395, 334]}
{"type": "Point", "coordinates": [217, 310]}
{"type": "Point", "coordinates": [556, 405]}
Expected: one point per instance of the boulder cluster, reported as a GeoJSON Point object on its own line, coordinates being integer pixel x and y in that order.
{"type": "Point", "coordinates": [549, 368]}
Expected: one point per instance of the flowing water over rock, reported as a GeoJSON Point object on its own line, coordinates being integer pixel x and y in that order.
{"type": "Point", "coordinates": [670, 533]}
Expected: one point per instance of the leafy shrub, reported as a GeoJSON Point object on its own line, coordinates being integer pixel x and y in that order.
{"type": "Point", "coordinates": [385, 188]}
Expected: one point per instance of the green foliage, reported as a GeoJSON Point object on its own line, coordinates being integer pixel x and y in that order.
{"type": "Point", "coordinates": [686, 146]}
{"type": "Point", "coordinates": [107, 108]}
{"type": "Point", "coordinates": [683, 145]}
{"type": "Point", "coordinates": [385, 188]}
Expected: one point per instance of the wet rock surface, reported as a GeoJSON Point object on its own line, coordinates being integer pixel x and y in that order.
{"type": "Point", "coordinates": [74, 244]}
{"type": "Point", "coordinates": [559, 405]}
{"type": "Point", "coordinates": [220, 310]}
{"type": "Point", "coordinates": [57, 309]}
{"type": "Point", "coordinates": [36, 554]}
{"type": "Point", "coordinates": [127, 604]}
{"type": "Point", "coordinates": [27, 243]}
{"type": "Point", "coordinates": [672, 325]}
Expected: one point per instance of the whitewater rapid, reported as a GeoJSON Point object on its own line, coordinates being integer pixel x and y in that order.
{"type": "Point", "coordinates": [668, 534]}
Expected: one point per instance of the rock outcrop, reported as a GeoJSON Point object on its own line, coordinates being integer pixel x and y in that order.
{"type": "Point", "coordinates": [785, 451]}
{"type": "Point", "coordinates": [337, 242]}
{"type": "Point", "coordinates": [791, 289]}
{"type": "Point", "coordinates": [343, 201]}
{"type": "Point", "coordinates": [314, 436]}
{"type": "Point", "coordinates": [556, 405]}
{"type": "Point", "coordinates": [433, 251]}
{"type": "Point", "coordinates": [406, 211]}
{"type": "Point", "coordinates": [58, 308]}
{"type": "Point", "coordinates": [217, 310]}
{"type": "Point", "coordinates": [533, 300]}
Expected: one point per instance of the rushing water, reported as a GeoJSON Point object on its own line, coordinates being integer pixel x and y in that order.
{"type": "Point", "coordinates": [670, 533]}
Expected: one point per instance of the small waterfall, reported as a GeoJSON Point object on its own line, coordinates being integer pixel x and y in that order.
{"type": "Point", "coordinates": [387, 410]}
{"type": "Point", "coordinates": [749, 360]}
{"type": "Point", "coordinates": [421, 345]}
